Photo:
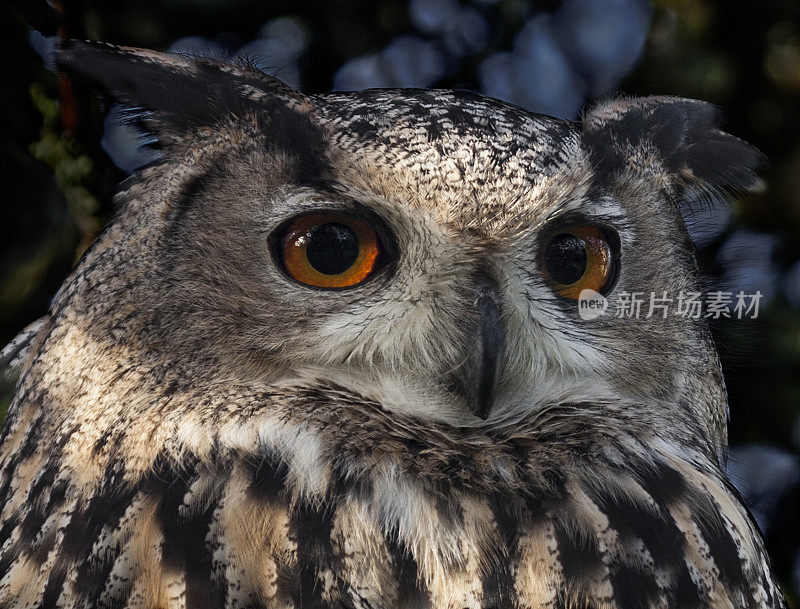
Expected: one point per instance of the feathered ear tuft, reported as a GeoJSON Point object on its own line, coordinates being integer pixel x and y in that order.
{"type": "Point", "coordinates": [177, 93]}
{"type": "Point", "coordinates": [702, 161]}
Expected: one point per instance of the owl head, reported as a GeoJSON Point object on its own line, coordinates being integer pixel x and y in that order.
{"type": "Point", "coordinates": [330, 352]}
{"type": "Point", "coordinates": [425, 249]}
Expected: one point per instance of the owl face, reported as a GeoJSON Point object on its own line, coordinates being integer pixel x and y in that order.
{"type": "Point", "coordinates": [424, 248]}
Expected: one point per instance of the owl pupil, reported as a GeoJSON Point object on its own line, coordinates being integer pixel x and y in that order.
{"type": "Point", "coordinates": [332, 248]}
{"type": "Point", "coordinates": [565, 258]}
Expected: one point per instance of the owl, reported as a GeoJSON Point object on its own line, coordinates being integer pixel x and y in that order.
{"type": "Point", "coordinates": [329, 354]}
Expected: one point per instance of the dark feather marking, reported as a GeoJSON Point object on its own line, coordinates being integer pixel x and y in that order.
{"type": "Point", "coordinates": [40, 550]}
{"type": "Point", "coordinates": [19, 399]}
{"type": "Point", "coordinates": [37, 513]}
{"type": "Point", "coordinates": [105, 509]}
{"type": "Point", "coordinates": [633, 587]}
{"type": "Point", "coordinates": [7, 557]}
{"type": "Point", "coordinates": [497, 582]}
{"type": "Point", "coordinates": [184, 549]}
{"type": "Point", "coordinates": [364, 128]}
{"type": "Point", "coordinates": [8, 472]}
{"type": "Point", "coordinates": [660, 535]}
{"type": "Point", "coordinates": [668, 487]}
{"type": "Point", "coordinates": [721, 545]}
{"type": "Point", "coordinates": [84, 527]}
{"type": "Point", "coordinates": [268, 484]}
{"type": "Point", "coordinates": [33, 440]}
{"type": "Point", "coordinates": [684, 592]}
{"type": "Point", "coordinates": [434, 130]}
{"type": "Point", "coordinates": [296, 135]}
{"type": "Point", "coordinates": [664, 484]}
{"type": "Point", "coordinates": [8, 526]}
{"type": "Point", "coordinates": [411, 591]}
{"type": "Point", "coordinates": [190, 192]}
{"type": "Point", "coordinates": [460, 118]}
{"type": "Point", "coordinates": [101, 442]}
{"type": "Point", "coordinates": [579, 554]}
{"type": "Point", "coordinates": [55, 583]}
{"type": "Point", "coordinates": [268, 477]}
{"type": "Point", "coordinates": [311, 526]}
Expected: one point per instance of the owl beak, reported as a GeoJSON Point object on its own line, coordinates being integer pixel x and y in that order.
{"type": "Point", "coordinates": [476, 378]}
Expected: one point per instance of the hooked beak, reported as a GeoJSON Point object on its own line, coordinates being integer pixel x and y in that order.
{"type": "Point", "coordinates": [476, 378]}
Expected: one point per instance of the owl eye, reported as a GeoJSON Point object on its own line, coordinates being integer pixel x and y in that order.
{"type": "Point", "coordinates": [578, 258]}
{"type": "Point", "coordinates": [329, 250]}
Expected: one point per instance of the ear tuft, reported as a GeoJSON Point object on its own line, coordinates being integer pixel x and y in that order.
{"type": "Point", "coordinates": [177, 93]}
{"type": "Point", "coordinates": [701, 160]}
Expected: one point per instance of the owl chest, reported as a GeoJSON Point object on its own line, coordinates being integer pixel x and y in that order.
{"type": "Point", "coordinates": [190, 537]}
{"type": "Point", "coordinates": [256, 531]}
{"type": "Point", "coordinates": [390, 545]}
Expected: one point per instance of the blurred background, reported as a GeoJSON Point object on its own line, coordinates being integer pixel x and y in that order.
{"type": "Point", "coordinates": [548, 56]}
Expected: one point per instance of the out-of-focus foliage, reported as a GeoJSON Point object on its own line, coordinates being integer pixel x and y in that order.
{"type": "Point", "coordinates": [545, 55]}
{"type": "Point", "coordinates": [71, 167]}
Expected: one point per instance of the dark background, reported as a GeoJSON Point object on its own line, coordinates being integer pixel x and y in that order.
{"type": "Point", "coordinates": [548, 56]}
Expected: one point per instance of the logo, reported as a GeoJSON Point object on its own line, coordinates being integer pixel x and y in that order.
{"type": "Point", "coordinates": [591, 304]}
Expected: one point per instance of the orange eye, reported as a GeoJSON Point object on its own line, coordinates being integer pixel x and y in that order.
{"type": "Point", "coordinates": [578, 258]}
{"type": "Point", "coordinates": [329, 250]}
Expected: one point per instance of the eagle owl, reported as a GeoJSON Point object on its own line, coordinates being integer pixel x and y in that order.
{"type": "Point", "coordinates": [328, 354]}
